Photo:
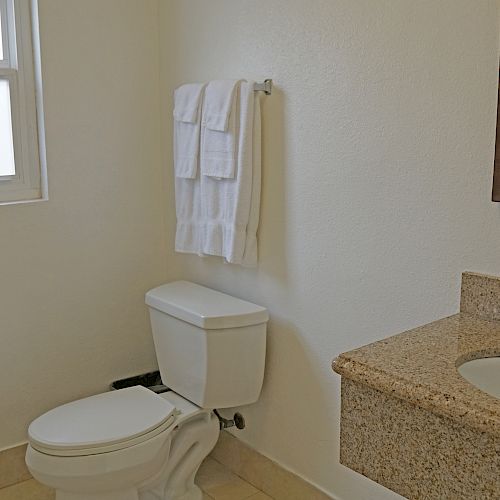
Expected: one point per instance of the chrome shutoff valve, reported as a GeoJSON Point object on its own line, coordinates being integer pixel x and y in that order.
{"type": "Point", "coordinates": [237, 421]}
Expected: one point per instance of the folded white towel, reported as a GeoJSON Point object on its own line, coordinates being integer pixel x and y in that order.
{"type": "Point", "coordinates": [219, 102]}
{"type": "Point", "coordinates": [219, 135]}
{"type": "Point", "coordinates": [231, 206]}
{"type": "Point", "coordinates": [221, 217]}
{"type": "Point", "coordinates": [187, 115]}
{"type": "Point", "coordinates": [190, 219]}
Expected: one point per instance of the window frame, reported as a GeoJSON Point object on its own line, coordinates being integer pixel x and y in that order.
{"type": "Point", "coordinates": [21, 67]}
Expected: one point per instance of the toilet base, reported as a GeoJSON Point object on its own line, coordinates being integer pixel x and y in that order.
{"type": "Point", "coordinates": [176, 479]}
{"type": "Point", "coordinates": [193, 494]}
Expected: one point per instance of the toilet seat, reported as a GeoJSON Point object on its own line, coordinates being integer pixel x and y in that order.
{"type": "Point", "coordinates": [103, 423]}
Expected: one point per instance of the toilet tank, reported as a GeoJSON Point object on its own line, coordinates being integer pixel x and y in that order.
{"type": "Point", "coordinates": [210, 346]}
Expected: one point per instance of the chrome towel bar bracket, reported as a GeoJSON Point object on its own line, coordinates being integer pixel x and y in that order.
{"type": "Point", "coordinates": [266, 86]}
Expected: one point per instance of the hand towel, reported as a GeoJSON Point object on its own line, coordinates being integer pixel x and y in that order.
{"type": "Point", "coordinates": [187, 123]}
{"type": "Point", "coordinates": [219, 135]}
{"type": "Point", "coordinates": [219, 102]}
{"type": "Point", "coordinates": [231, 207]}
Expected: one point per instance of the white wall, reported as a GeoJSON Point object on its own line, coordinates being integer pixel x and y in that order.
{"type": "Point", "coordinates": [378, 148]}
{"type": "Point", "coordinates": [73, 270]}
{"type": "Point", "coordinates": [378, 154]}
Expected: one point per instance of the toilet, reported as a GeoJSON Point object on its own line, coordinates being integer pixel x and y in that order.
{"type": "Point", "coordinates": [134, 444]}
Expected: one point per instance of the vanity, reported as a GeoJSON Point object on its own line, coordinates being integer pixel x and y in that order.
{"type": "Point", "coordinates": [411, 418]}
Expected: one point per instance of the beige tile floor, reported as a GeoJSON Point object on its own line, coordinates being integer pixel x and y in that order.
{"type": "Point", "coordinates": [216, 481]}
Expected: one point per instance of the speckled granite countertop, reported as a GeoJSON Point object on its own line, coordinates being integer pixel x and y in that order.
{"type": "Point", "coordinates": [420, 366]}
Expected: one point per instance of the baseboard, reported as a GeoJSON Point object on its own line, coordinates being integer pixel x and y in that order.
{"type": "Point", "coordinates": [262, 472]}
{"type": "Point", "coordinates": [12, 466]}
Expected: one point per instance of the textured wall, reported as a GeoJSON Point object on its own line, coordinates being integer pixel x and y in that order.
{"type": "Point", "coordinates": [378, 155]}
{"type": "Point", "coordinates": [73, 270]}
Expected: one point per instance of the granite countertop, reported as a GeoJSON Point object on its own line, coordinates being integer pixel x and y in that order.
{"type": "Point", "coordinates": [420, 366]}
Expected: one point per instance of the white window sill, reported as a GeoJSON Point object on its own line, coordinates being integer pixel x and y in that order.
{"type": "Point", "coordinates": [23, 202]}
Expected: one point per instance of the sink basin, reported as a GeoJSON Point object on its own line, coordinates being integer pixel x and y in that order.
{"type": "Point", "coordinates": [484, 373]}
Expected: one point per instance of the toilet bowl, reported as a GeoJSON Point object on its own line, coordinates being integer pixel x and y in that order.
{"type": "Point", "coordinates": [133, 468]}
{"type": "Point", "coordinates": [133, 444]}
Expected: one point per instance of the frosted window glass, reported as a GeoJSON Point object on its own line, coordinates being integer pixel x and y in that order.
{"type": "Point", "coordinates": [7, 165]}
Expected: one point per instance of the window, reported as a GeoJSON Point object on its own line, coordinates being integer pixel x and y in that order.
{"type": "Point", "coordinates": [22, 140]}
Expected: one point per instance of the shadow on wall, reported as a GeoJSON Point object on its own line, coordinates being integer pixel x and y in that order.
{"type": "Point", "coordinates": [291, 381]}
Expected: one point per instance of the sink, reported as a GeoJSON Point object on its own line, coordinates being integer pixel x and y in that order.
{"type": "Point", "coordinates": [484, 373]}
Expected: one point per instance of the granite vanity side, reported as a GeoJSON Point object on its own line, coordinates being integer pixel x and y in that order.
{"type": "Point", "coordinates": [414, 452]}
{"type": "Point", "coordinates": [480, 296]}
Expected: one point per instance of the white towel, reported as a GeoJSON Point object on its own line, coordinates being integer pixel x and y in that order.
{"type": "Point", "coordinates": [221, 217]}
{"type": "Point", "coordinates": [231, 206]}
{"type": "Point", "coordinates": [187, 115]}
{"type": "Point", "coordinates": [219, 136]}
{"type": "Point", "coordinates": [250, 254]}
{"type": "Point", "coordinates": [190, 219]}
{"type": "Point", "coordinates": [218, 104]}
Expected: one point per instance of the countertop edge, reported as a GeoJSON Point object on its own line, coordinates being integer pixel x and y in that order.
{"type": "Point", "coordinates": [424, 397]}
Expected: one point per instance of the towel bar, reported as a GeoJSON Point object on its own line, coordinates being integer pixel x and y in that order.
{"type": "Point", "coordinates": [266, 86]}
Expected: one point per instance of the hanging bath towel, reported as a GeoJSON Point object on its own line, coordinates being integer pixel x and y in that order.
{"type": "Point", "coordinates": [231, 206]}
{"type": "Point", "coordinates": [220, 216]}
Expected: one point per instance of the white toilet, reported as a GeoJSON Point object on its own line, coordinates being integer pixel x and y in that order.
{"type": "Point", "coordinates": [133, 444]}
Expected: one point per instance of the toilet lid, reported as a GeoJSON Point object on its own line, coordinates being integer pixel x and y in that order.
{"type": "Point", "coordinates": [101, 422]}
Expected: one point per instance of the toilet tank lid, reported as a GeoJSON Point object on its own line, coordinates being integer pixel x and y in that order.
{"type": "Point", "coordinates": [204, 307]}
